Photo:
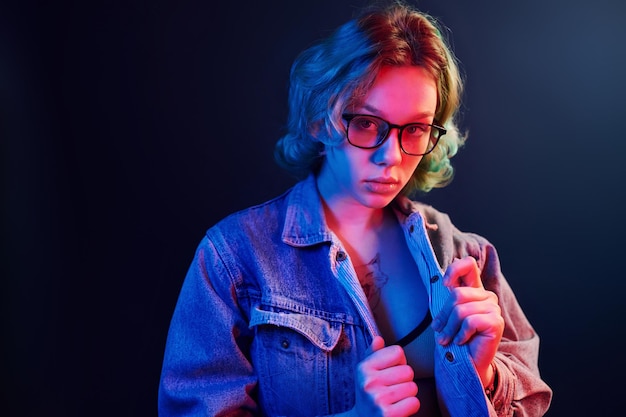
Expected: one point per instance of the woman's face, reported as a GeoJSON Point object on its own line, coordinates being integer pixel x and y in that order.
{"type": "Point", "coordinates": [374, 177]}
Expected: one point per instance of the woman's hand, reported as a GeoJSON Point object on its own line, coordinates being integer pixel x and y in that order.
{"type": "Point", "coordinates": [470, 315]}
{"type": "Point", "coordinates": [384, 383]}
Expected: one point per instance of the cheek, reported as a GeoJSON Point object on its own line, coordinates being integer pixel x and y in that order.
{"type": "Point", "coordinates": [409, 165]}
{"type": "Point", "coordinates": [345, 162]}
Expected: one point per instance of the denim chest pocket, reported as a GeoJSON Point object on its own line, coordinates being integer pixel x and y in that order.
{"type": "Point", "coordinates": [322, 333]}
{"type": "Point", "coordinates": [293, 356]}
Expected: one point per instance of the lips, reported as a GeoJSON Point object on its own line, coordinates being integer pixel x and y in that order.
{"type": "Point", "coordinates": [382, 185]}
{"type": "Point", "coordinates": [383, 180]}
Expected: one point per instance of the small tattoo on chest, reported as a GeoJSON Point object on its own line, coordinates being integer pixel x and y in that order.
{"type": "Point", "coordinates": [373, 279]}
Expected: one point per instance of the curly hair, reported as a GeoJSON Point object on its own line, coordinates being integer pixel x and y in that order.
{"type": "Point", "coordinates": [337, 72]}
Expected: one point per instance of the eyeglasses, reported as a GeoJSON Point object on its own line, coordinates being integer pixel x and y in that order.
{"type": "Point", "coordinates": [368, 132]}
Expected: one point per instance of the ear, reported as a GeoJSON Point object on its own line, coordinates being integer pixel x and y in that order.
{"type": "Point", "coordinates": [314, 129]}
{"type": "Point", "coordinates": [314, 133]}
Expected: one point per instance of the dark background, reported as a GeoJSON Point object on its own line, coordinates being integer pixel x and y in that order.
{"type": "Point", "coordinates": [128, 129]}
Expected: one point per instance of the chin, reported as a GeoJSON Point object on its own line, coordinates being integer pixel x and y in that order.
{"type": "Point", "coordinates": [378, 201]}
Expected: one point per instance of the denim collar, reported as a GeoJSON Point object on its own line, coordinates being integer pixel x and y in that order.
{"type": "Point", "coordinates": [305, 223]}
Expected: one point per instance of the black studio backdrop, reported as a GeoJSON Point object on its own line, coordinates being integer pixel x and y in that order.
{"type": "Point", "coordinates": [128, 129]}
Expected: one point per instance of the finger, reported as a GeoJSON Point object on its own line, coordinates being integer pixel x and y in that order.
{"type": "Point", "coordinates": [463, 273]}
{"type": "Point", "coordinates": [384, 358]}
{"type": "Point", "coordinates": [463, 303]}
{"type": "Point", "coordinates": [377, 343]}
{"type": "Point", "coordinates": [486, 325]}
{"type": "Point", "coordinates": [458, 297]}
{"type": "Point", "coordinates": [405, 407]}
{"type": "Point", "coordinates": [394, 393]}
{"type": "Point", "coordinates": [390, 376]}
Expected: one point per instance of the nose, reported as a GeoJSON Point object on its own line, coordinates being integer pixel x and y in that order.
{"type": "Point", "coordinates": [390, 152]}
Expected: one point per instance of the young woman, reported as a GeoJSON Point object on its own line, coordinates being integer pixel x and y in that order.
{"type": "Point", "coordinates": [343, 295]}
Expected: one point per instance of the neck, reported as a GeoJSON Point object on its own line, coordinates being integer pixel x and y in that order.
{"type": "Point", "coordinates": [355, 218]}
{"type": "Point", "coordinates": [344, 212]}
{"type": "Point", "coordinates": [360, 228]}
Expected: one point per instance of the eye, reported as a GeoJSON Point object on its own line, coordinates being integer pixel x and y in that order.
{"type": "Point", "coordinates": [417, 129]}
{"type": "Point", "coordinates": [365, 123]}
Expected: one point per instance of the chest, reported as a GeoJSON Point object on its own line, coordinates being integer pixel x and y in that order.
{"type": "Point", "coordinates": [398, 299]}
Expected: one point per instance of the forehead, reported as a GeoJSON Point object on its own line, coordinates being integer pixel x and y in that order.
{"type": "Point", "coordinates": [406, 90]}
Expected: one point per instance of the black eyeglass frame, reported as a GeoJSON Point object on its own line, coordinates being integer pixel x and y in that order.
{"type": "Point", "coordinates": [348, 117]}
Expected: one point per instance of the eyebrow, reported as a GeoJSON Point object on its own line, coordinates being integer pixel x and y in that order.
{"type": "Point", "coordinates": [377, 112]}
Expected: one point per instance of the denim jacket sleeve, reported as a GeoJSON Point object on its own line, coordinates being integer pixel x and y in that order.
{"type": "Point", "coordinates": [206, 368]}
{"type": "Point", "coordinates": [220, 335]}
{"type": "Point", "coordinates": [262, 325]}
{"type": "Point", "coordinates": [520, 392]}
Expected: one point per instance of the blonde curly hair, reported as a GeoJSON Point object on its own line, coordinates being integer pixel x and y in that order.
{"type": "Point", "coordinates": [335, 73]}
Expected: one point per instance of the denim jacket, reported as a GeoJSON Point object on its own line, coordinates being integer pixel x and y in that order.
{"type": "Point", "coordinates": [271, 319]}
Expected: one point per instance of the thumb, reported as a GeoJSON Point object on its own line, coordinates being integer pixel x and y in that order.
{"type": "Point", "coordinates": [377, 344]}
